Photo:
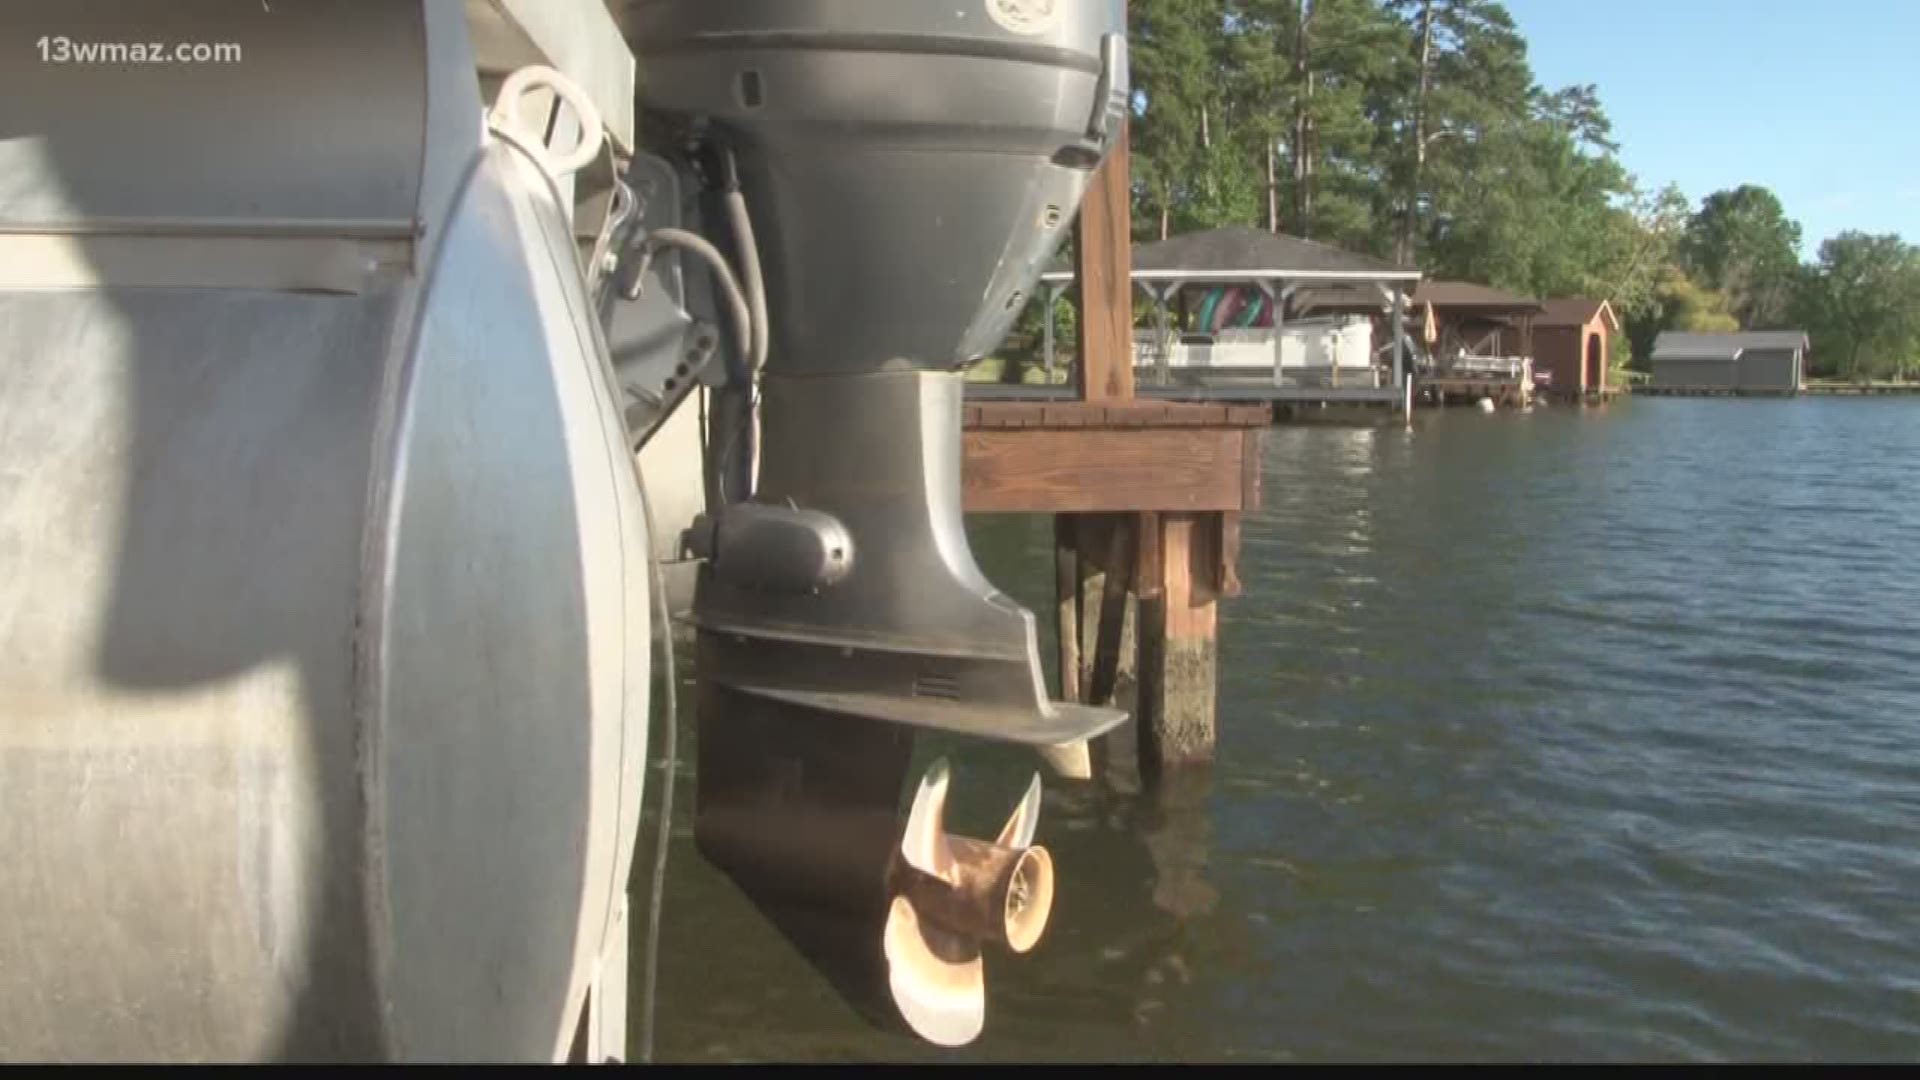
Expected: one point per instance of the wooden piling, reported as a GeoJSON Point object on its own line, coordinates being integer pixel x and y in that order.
{"type": "Point", "coordinates": [1072, 761]}
{"type": "Point", "coordinates": [1179, 638]}
{"type": "Point", "coordinates": [1066, 594]}
{"type": "Point", "coordinates": [1103, 674]}
{"type": "Point", "coordinates": [1095, 614]}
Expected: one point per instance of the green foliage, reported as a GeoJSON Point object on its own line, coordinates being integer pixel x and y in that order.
{"type": "Point", "coordinates": [1546, 222]}
{"type": "Point", "coordinates": [1742, 243]}
{"type": "Point", "coordinates": [1861, 303]}
{"type": "Point", "coordinates": [1025, 345]}
{"type": "Point", "coordinates": [1414, 129]}
{"type": "Point", "coordinates": [1687, 305]}
{"type": "Point", "coordinates": [1178, 48]}
{"type": "Point", "coordinates": [1620, 353]}
{"type": "Point", "coordinates": [1012, 369]}
{"type": "Point", "coordinates": [1657, 219]}
{"type": "Point", "coordinates": [1382, 126]}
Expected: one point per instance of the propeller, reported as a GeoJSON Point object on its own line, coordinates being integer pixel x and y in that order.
{"type": "Point", "coordinates": [953, 895]}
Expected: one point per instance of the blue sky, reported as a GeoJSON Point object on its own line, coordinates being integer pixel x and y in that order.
{"type": "Point", "coordinates": [1819, 100]}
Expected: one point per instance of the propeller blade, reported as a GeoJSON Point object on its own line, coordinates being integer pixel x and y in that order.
{"type": "Point", "coordinates": [1069, 761]}
{"type": "Point", "coordinates": [924, 844]}
{"type": "Point", "coordinates": [1018, 832]}
{"type": "Point", "coordinates": [937, 979]}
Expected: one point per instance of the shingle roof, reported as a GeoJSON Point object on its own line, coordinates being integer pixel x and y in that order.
{"type": "Point", "coordinates": [1678, 344]}
{"type": "Point", "coordinates": [1466, 294]}
{"type": "Point", "coordinates": [1237, 247]}
{"type": "Point", "coordinates": [1456, 295]}
{"type": "Point", "coordinates": [1254, 253]}
{"type": "Point", "coordinates": [1573, 311]}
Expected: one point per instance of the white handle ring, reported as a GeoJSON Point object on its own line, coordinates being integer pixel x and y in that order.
{"type": "Point", "coordinates": [506, 113]}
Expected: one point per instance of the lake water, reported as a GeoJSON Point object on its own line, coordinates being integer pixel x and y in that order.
{"type": "Point", "coordinates": [1573, 734]}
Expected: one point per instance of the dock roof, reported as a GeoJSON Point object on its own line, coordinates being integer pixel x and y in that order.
{"type": "Point", "coordinates": [1241, 253]}
{"type": "Point", "coordinates": [1446, 297]}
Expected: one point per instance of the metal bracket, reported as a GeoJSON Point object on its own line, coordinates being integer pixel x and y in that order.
{"type": "Point", "coordinates": [661, 340]}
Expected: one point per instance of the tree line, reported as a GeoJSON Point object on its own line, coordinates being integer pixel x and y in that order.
{"type": "Point", "coordinates": [1414, 130]}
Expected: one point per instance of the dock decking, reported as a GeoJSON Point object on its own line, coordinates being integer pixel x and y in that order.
{"type": "Point", "coordinates": [1876, 389]}
{"type": "Point", "coordinates": [1208, 393]}
{"type": "Point", "coordinates": [1868, 389]}
{"type": "Point", "coordinates": [1504, 390]}
{"type": "Point", "coordinates": [1073, 456]}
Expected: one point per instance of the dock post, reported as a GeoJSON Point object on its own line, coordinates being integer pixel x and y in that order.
{"type": "Point", "coordinates": [1095, 626]}
{"type": "Point", "coordinates": [1179, 644]}
{"type": "Point", "coordinates": [1066, 595]}
{"type": "Point", "coordinates": [1103, 606]}
{"type": "Point", "coordinates": [1108, 617]}
{"type": "Point", "coordinates": [1072, 761]}
{"type": "Point", "coordinates": [1400, 337]}
{"type": "Point", "coordinates": [1103, 260]}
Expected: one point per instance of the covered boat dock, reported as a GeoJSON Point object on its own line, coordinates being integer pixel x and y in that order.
{"type": "Point", "coordinates": [1225, 323]}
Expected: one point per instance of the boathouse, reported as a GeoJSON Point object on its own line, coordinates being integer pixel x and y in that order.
{"type": "Point", "coordinates": [1572, 340]}
{"type": "Point", "coordinates": [1474, 322]}
{"type": "Point", "coordinates": [1749, 362]}
{"type": "Point", "coordinates": [1226, 315]}
{"type": "Point", "coordinates": [1453, 320]}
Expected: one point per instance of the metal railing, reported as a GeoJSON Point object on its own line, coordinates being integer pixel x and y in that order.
{"type": "Point", "coordinates": [1504, 367]}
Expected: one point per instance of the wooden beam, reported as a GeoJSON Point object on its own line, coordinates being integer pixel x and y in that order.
{"type": "Point", "coordinates": [1104, 674]}
{"type": "Point", "coordinates": [1066, 592]}
{"type": "Point", "coordinates": [1251, 444]}
{"type": "Point", "coordinates": [1230, 586]}
{"type": "Point", "coordinates": [1092, 532]}
{"type": "Point", "coordinates": [1147, 571]}
{"type": "Point", "coordinates": [984, 415]}
{"type": "Point", "coordinates": [1108, 630]}
{"type": "Point", "coordinates": [1092, 470]}
{"type": "Point", "coordinates": [1103, 264]}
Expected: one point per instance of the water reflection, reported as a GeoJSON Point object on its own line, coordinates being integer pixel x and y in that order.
{"type": "Point", "coordinates": [1174, 825]}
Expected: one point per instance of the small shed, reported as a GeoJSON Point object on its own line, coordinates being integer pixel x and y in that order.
{"type": "Point", "coordinates": [1572, 340]}
{"type": "Point", "coordinates": [1749, 362]}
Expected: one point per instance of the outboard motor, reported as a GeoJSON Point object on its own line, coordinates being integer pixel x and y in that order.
{"type": "Point", "coordinates": [324, 606]}
{"type": "Point", "coordinates": [894, 175]}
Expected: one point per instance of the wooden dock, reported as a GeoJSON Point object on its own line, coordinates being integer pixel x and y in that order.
{"type": "Point", "coordinates": [1122, 456]}
{"type": "Point", "coordinates": [1812, 389]}
{"type": "Point", "coordinates": [1867, 389]}
{"type": "Point", "coordinates": [1283, 400]}
{"type": "Point", "coordinates": [1709, 391]}
{"type": "Point", "coordinates": [1146, 495]}
{"type": "Point", "coordinates": [1506, 391]}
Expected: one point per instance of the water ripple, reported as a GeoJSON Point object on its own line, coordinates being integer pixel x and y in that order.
{"type": "Point", "coordinates": [1584, 734]}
